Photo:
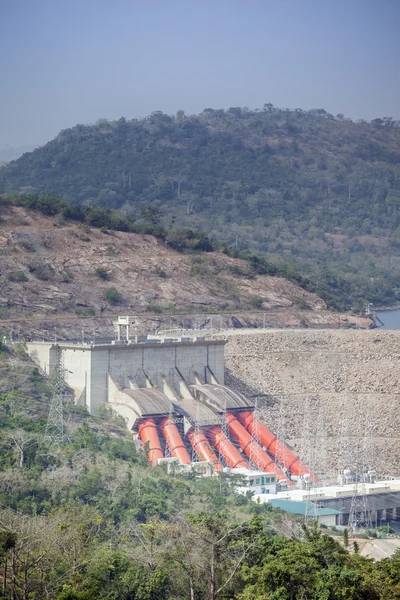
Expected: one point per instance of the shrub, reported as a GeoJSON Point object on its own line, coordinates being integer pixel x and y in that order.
{"type": "Point", "coordinates": [153, 307]}
{"type": "Point", "coordinates": [17, 276]}
{"type": "Point", "coordinates": [300, 302]}
{"type": "Point", "coordinates": [102, 272]}
{"type": "Point", "coordinates": [85, 311]}
{"type": "Point", "coordinates": [182, 239]}
{"type": "Point", "coordinates": [65, 277]}
{"type": "Point", "coordinates": [41, 271]}
{"type": "Point", "coordinates": [160, 272]}
{"type": "Point", "coordinates": [113, 296]}
{"type": "Point", "coordinates": [241, 271]}
{"type": "Point", "coordinates": [28, 247]}
{"type": "Point", "coordinates": [256, 302]}
{"type": "Point", "coordinates": [59, 220]}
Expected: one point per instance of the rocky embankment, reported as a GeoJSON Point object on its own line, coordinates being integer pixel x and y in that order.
{"type": "Point", "coordinates": [55, 272]}
{"type": "Point", "coordinates": [332, 395]}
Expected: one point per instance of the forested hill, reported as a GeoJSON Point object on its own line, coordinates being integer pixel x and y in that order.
{"type": "Point", "coordinates": [296, 185]}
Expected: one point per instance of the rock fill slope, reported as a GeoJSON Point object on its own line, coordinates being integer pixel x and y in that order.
{"type": "Point", "coordinates": [333, 395]}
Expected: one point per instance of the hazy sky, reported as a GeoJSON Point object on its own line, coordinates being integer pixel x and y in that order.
{"type": "Point", "coordinates": [64, 62]}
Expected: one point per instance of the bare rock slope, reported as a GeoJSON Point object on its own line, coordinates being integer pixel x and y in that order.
{"type": "Point", "coordinates": [51, 271]}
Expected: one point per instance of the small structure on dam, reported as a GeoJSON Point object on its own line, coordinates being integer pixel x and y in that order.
{"type": "Point", "coordinates": [171, 393]}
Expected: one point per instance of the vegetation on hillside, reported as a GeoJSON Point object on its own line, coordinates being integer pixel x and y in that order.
{"type": "Point", "coordinates": [180, 239]}
{"type": "Point", "coordinates": [91, 521]}
{"type": "Point", "coordinates": [294, 186]}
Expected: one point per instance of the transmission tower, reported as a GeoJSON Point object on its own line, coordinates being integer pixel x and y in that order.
{"type": "Point", "coordinates": [360, 514]}
{"type": "Point", "coordinates": [224, 422]}
{"type": "Point", "coordinates": [255, 448]}
{"type": "Point", "coordinates": [178, 421]}
{"type": "Point", "coordinates": [309, 442]}
{"type": "Point", "coordinates": [56, 429]}
{"type": "Point", "coordinates": [280, 455]}
{"type": "Point", "coordinates": [167, 451]}
{"type": "Point", "coordinates": [196, 428]}
{"type": "Point", "coordinates": [307, 439]}
{"type": "Point", "coordinates": [320, 448]}
{"type": "Point", "coordinates": [225, 431]}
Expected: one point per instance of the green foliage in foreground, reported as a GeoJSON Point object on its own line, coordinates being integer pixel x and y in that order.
{"type": "Point", "coordinates": [92, 521]}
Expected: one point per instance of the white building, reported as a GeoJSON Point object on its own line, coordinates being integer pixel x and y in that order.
{"type": "Point", "coordinates": [257, 482]}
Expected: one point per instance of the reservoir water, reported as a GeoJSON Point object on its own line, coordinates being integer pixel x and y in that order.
{"type": "Point", "coordinates": [390, 318]}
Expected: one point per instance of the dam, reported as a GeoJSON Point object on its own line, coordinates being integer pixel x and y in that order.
{"type": "Point", "coordinates": [253, 400]}
{"type": "Point", "coordinates": [172, 396]}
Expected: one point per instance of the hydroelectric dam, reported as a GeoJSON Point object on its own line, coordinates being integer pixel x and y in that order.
{"type": "Point", "coordinates": [171, 393]}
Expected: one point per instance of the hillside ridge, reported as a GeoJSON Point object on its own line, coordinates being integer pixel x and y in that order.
{"type": "Point", "coordinates": [293, 185]}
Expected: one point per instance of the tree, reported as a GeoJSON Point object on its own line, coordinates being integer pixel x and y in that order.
{"type": "Point", "coordinates": [21, 440]}
{"type": "Point", "coordinates": [151, 214]}
{"type": "Point", "coordinates": [346, 537]}
{"type": "Point", "coordinates": [223, 546]}
{"type": "Point", "coordinates": [8, 540]}
{"type": "Point", "coordinates": [63, 538]}
{"type": "Point", "coordinates": [189, 200]}
{"type": "Point", "coordinates": [21, 349]}
{"type": "Point", "coordinates": [297, 170]}
{"type": "Point", "coordinates": [179, 180]}
{"type": "Point", "coordinates": [159, 181]}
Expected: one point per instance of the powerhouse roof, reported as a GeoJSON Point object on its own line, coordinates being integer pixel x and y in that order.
{"type": "Point", "coordinates": [303, 508]}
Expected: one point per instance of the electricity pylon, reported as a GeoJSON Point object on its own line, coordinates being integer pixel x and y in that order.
{"type": "Point", "coordinates": [255, 448]}
{"type": "Point", "coordinates": [360, 513]}
{"type": "Point", "coordinates": [56, 428]}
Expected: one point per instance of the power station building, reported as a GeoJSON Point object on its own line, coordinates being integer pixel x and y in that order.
{"type": "Point", "coordinates": [172, 396]}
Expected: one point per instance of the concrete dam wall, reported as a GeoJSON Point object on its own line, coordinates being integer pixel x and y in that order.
{"type": "Point", "coordinates": [173, 399]}
{"type": "Point", "coordinates": [334, 396]}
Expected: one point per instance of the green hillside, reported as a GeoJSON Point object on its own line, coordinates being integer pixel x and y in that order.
{"type": "Point", "coordinates": [297, 186]}
{"type": "Point", "coordinates": [90, 520]}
